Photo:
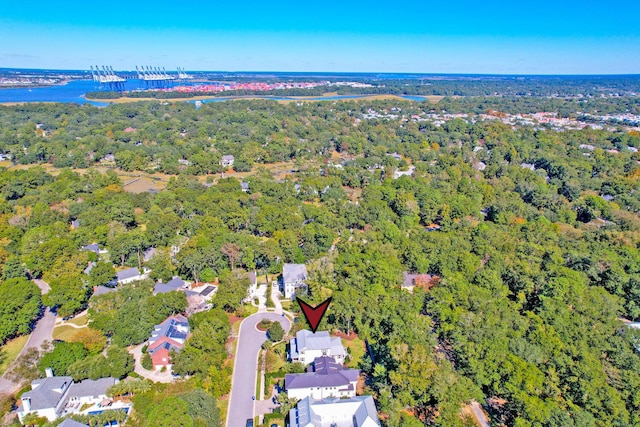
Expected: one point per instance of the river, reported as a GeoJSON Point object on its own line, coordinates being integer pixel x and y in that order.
{"type": "Point", "coordinates": [73, 92]}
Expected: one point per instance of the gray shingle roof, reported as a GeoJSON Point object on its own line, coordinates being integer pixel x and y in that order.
{"type": "Point", "coordinates": [294, 273]}
{"type": "Point", "coordinates": [172, 285]}
{"type": "Point", "coordinates": [91, 388]}
{"type": "Point", "coordinates": [327, 373]}
{"type": "Point", "coordinates": [89, 268]}
{"type": "Point", "coordinates": [127, 274]}
{"type": "Point", "coordinates": [92, 247]}
{"type": "Point", "coordinates": [47, 392]}
{"type": "Point", "coordinates": [101, 290]}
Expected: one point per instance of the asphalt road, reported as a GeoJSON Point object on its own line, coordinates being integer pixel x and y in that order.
{"type": "Point", "coordinates": [243, 385]}
{"type": "Point", "coordinates": [41, 333]}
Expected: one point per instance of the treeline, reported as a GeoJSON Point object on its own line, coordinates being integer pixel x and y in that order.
{"type": "Point", "coordinates": [178, 138]}
{"type": "Point", "coordinates": [510, 86]}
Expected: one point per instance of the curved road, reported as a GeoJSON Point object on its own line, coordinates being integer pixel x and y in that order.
{"type": "Point", "coordinates": [243, 383]}
{"type": "Point", "coordinates": [41, 333]}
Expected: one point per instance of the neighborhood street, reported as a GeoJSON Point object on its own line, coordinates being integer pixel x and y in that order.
{"type": "Point", "coordinates": [243, 383]}
{"type": "Point", "coordinates": [41, 333]}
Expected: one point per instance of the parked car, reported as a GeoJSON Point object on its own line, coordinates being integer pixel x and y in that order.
{"type": "Point", "coordinates": [249, 422]}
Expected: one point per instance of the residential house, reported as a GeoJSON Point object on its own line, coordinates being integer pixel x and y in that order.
{"type": "Point", "coordinates": [398, 173]}
{"type": "Point", "coordinates": [53, 397]}
{"type": "Point", "coordinates": [148, 254]}
{"type": "Point", "coordinates": [410, 281]}
{"type": "Point", "coordinates": [90, 266]}
{"type": "Point", "coordinates": [325, 378]}
{"type": "Point", "coordinates": [94, 247]}
{"type": "Point", "coordinates": [101, 290]}
{"type": "Point", "coordinates": [294, 276]}
{"type": "Point", "coordinates": [131, 275]}
{"type": "Point", "coordinates": [253, 284]}
{"type": "Point", "coordinates": [244, 186]}
{"type": "Point", "coordinates": [359, 411]}
{"type": "Point", "coordinates": [174, 284]}
{"type": "Point", "coordinates": [89, 392]}
{"type": "Point", "coordinates": [307, 346]}
{"type": "Point", "coordinates": [47, 397]}
{"type": "Point", "coordinates": [167, 336]}
{"type": "Point", "coordinates": [227, 161]}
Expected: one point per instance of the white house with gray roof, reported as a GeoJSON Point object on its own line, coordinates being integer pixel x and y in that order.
{"type": "Point", "coordinates": [92, 392]}
{"type": "Point", "coordinates": [359, 411]}
{"type": "Point", "coordinates": [47, 397]}
{"type": "Point", "coordinates": [307, 346]}
{"type": "Point", "coordinates": [131, 275]}
{"type": "Point", "coordinates": [325, 378]}
{"type": "Point", "coordinates": [227, 160]}
{"type": "Point", "coordinates": [175, 284]}
{"type": "Point", "coordinates": [294, 276]}
{"type": "Point", "coordinates": [53, 397]}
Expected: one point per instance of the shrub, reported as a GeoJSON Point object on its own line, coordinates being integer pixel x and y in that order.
{"type": "Point", "coordinates": [146, 361]}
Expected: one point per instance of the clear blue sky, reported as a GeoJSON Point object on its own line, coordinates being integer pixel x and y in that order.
{"type": "Point", "coordinates": [541, 37]}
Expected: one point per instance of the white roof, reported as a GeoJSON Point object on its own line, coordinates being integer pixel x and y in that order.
{"type": "Point", "coordinates": [294, 273]}
{"type": "Point", "coordinates": [335, 412]}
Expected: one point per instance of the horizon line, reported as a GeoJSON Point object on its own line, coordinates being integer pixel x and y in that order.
{"type": "Point", "coordinates": [360, 72]}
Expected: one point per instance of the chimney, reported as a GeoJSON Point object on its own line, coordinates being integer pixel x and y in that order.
{"type": "Point", "coordinates": [49, 372]}
{"type": "Point", "coordinates": [26, 404]}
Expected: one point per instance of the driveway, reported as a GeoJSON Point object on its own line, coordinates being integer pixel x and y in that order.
{"type": "Point", "coordinates": [243, 383]}
{"type": "Point", "coordinates": [479, 414]}
{"type": "Point", "coordinates": [153, 375]}
{"type": "Point", "coordinates": [44, 286]}
{"type": "Point", "coordinates": [41, 333]}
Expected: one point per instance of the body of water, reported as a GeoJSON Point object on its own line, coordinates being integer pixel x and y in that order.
{"type": "Point", "coordinates": [70, 92]}
{"type": "Point", "coordinates": [74, 91]}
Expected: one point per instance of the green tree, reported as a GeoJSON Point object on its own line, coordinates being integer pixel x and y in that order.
{"type": "Point", "coordinates": [20, 307]}
{"type": "Point", "coordinates": [171, 412]}
{"type": "Point", "coordinates": [101, 274]}
{"type": "Point", "coordinates": [202, 408]}
{"type": "Point", "coordinates": [63, 355]}
{"type": "Point", "coordinates": [275, 332]}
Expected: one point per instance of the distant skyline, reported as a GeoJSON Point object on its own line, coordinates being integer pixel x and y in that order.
{"type": "Point", "coordinates": [466, 37]}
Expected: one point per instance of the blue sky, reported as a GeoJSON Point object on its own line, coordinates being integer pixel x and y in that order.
{"type": "Point", "coordinates": [542, 37]}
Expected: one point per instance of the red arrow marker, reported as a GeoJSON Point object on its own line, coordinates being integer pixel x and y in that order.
{"type": "Point", "coordinates": [314, 314]}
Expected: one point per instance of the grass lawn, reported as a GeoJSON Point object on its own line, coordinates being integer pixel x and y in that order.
{"type": "Point", "coordinates": [79, 320]}
{"type": "Point", "coordinates": [286, 304]}
{"type": "Point", "coordinates": [249, 309]}
{"type": "Point", "coordinates": [356, 350]}
{"type": "Point", "coordinates": [274, 361]}
{"type": "Point", "coordinates": [63, 332]}
{"type": "Point", "coordinates": [11, 350]}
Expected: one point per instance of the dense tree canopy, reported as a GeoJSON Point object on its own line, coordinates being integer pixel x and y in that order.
{"type": "Point", "coordinates": [529, 235]}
